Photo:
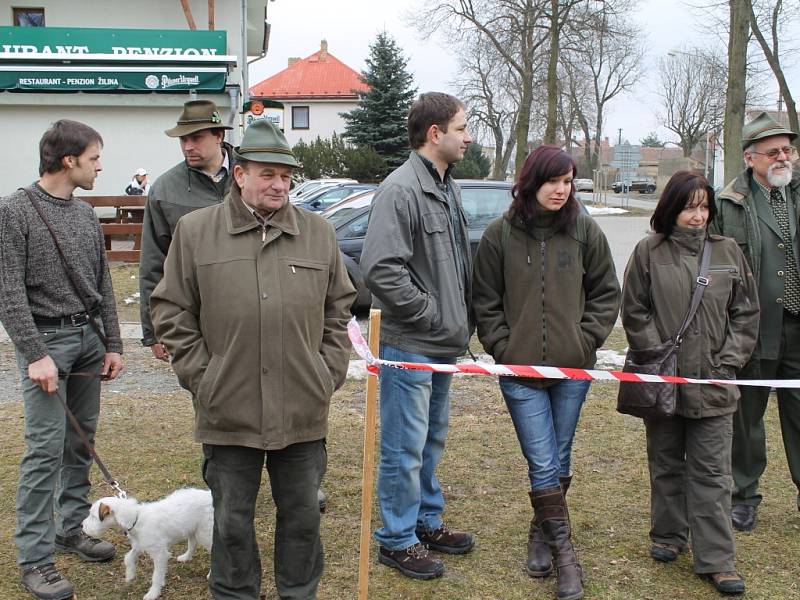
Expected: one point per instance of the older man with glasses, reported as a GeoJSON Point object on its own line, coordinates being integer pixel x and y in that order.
{"type": "Point", "coordinates": [760, 210]}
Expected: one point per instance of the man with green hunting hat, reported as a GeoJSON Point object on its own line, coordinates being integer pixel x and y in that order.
{"type": "Point", "coordinates": [760, 210]}
{"type": "Point", "coordinates": [253, 308]}
{"type": "Point", "coordinates": [201, 179]}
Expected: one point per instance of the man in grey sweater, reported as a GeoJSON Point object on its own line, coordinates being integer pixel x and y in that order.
{"type": "Point", "coordinates": [53, 335]}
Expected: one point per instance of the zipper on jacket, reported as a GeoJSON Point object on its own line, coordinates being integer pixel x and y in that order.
{"type": "Point", "coordinates": [264, 234]}
{"type": "Point", "coordinates": [544, 307]}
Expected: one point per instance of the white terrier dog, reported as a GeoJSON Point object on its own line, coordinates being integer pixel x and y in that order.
{"type": "Point", "coordinates": [152, 527]}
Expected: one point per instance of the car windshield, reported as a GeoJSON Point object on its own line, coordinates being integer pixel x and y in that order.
{"type": "Point", "coordinates": [484, 204]}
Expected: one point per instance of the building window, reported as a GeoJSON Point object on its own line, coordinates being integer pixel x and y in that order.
{"type": "Point", "coordinates": [28, 17]}
{"type": "Point", "coordinates": [299, 117]}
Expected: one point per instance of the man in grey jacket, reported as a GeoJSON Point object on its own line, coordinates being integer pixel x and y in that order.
{"type": "Point", "coordinates": [201, 179]}
{"type": "Point", "coordinates": [417, 263]}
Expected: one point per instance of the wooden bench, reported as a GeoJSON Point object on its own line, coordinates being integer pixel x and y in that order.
{"type": "Point", "coordinates": [126, 222]}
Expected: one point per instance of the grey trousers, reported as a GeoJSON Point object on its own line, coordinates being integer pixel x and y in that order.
{"type": "Point", "coordinates": [690, 488]}
{"type": "Point", "coordinates": [233, 473]}
{"type": "Point", "coordinates": [54, 471]}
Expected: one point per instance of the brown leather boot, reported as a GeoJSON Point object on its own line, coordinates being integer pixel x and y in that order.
{"type": "Point", "coordinates": [552, 518]}
{"type": "Point", "coordinates": [540, 559]}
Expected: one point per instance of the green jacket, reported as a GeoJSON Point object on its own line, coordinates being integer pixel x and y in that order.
{"type": "Point", "coordinates": [175, 193]}
{"type": "Point", "coordinates": [544, 299]}
{"type": "Point", "coordinates": [659, 281]}
{"type": "Point", "coordinates": [256, 326]}
{"type": "Point", "coordinates": [738, 218]}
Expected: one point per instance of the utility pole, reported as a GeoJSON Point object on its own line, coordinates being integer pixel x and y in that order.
{"type": "Point", "coordinates": [619, 139]}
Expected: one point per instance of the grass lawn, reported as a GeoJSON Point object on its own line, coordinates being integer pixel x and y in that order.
{"type": "Point", "coordinates": [146, 442]}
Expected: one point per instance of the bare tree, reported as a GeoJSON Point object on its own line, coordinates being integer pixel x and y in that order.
{"type": "Point", "coordinates": [487, 88]}
{"type": "Point", "coordinates": [516, 28]}
{"type": "Point", "coordinates": [739, 12]}
{"type": "Point", "coordinates": [773, 13]}
{"type": "Point", "coordinates": [692, 94]}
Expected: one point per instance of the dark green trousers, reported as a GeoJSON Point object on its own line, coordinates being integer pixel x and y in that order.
{"type": "Point", "coordinates": [53, 488]}
{"type": "Point", "coordinates": [749, 437]}
{"type": "Point", "coordinates": [233, 474]}
{"type": "Point", "coordinates": [690, 487]}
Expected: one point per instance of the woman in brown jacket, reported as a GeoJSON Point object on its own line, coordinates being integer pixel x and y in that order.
{"type": "Point", "coordinates": [545, 293]}
{"type": "Point", "coordinates": [689, 455]}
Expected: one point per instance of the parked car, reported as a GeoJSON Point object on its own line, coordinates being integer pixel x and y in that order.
{"type": "Point", "coordinates": [345, 208]}
{"type": "Point", "coordinates": [483, 201]}
{"type": "Point", "coordinates": [328, 196]}
{"type": "Point", "coordinates": [583, 185]}
{"type": "Point", "coordinates": [314, 184]}
{"type": "Point", "coordinates": [643, 185]}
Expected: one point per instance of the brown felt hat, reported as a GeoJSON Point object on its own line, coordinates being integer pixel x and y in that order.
{"type": "Point", "coordinates": [196, 116]}
{"type": "Point", "coordinates": [763, 126]}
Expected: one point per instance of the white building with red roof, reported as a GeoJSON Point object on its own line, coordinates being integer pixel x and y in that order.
{"type": "Point", "coordinates": [313, 91]}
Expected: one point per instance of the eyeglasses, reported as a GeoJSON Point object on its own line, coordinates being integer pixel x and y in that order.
{"type": "Point", "coordinates": [772, 153]}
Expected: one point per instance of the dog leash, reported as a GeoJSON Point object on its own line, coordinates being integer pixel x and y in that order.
{"type": "Point", "coordinates": [118, 491]}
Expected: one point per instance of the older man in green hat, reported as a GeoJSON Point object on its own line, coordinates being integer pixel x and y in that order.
{"type": "Point", "coordinates": [760, 210]}
{"type": "Point", "coordinates": [253, 309]}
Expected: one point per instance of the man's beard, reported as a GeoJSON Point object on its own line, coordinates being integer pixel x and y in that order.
{"type": "Point", "coordinates": [784, 179]}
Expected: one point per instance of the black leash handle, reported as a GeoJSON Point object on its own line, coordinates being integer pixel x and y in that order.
{"type": "Point", "coordinates": [118, 491]}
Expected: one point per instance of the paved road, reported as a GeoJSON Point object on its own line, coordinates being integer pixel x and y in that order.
{"type": "Point", "coordinates": [636, 200]}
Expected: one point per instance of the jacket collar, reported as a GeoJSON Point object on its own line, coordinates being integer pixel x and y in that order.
{"type": "Point", "coordinates": [424, 175]}
{"type": "Point", "coordinates": [239, 219]}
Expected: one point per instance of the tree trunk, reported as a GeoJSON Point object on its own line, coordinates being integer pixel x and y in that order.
{"type": "Point", "coordinates": [597, 151]}
{"type": "Point", "coordinates": [735, 94]}
{"type": "Point", "coordinates": [523, 124]}
{"type": "Point", "coordinates": [552, 76]}
{"type": "Point", "coordinates": [498, 168]}
{"type": "Point", "coordinates": [773, 59]}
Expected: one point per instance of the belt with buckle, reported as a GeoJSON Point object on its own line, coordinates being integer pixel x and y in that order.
{"type": "Point", "coordinates": [77, 320]}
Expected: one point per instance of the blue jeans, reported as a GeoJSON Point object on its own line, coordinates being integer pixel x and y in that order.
{"type": "Point", "coordinates": [414, 415]}
{"type": "Point", "coordinates": [545, 421]}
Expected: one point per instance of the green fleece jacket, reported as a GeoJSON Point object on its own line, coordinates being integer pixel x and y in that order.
{"type": "Point", "coordinates": [546, 298]}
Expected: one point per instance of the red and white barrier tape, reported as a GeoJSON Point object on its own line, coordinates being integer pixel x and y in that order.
{"type": "Point", "coordinates": [542, 372]}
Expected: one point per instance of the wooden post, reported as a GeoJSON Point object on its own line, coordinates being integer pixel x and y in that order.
{"type": "Point", "coordinates": [368, 468]}
{"type": "Point", "coordinates": [187, 11]}
{"type": "Point", "coordinates": [211, 15]}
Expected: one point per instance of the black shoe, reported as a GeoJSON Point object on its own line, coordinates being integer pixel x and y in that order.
{"type": "Point", "coordinates": [322, 499]}
{"type": "Point", "coordinates": [447, 541]}
{"type": "Point", "coordinates": [89, 549]}
{"type": "Point", "coordinates": [743, 517]}
{"type": "Point", "coordinates": [727, 583]}
{"type": "Point", "coordinates": [414, 561]}
{"type": "Point", "coordinates": [46, 583]}
{"type": "Point", "coordinates": [665, 552]}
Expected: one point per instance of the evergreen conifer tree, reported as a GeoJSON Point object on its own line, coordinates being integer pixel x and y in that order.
{"type": "Point", "coordinates": [379, 120]}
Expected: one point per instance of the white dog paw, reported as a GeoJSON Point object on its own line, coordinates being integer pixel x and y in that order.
{"type": "Point", "coordinates": [130, 575]}
{"type": "Point", "coordinates": [185, 557]}
{"type": "Point", "coordinates": [152, 594]}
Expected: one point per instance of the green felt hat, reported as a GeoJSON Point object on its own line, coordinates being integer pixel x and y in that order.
{"type": "Point", "coordinates": [763, 126]}
{"type": "Point", "coordinates": [264, 143]}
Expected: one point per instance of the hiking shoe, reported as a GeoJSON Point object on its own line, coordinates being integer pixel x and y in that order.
{"type": "Point", "coordinates": [444, 540]}
{"type": "Point", "coordinates": [414, 561]}
{"type": "Point", "coordinates": [665, 552]}
{"type": "Point", "coordinates": [728, 582]}
{"type": "Point", "coordinates": [87, 548]}
{"type": "Point", "coordinates": [46, 583]}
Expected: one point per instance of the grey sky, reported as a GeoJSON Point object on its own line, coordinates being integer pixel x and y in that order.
{"type": "Point", "coordinates": [351, 25]}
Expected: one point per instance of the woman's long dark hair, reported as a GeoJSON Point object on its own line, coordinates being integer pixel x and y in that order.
{"type": "Point", "coordinates": [543, 164]}
{"type": "Point", "coordinates": [679, 190]}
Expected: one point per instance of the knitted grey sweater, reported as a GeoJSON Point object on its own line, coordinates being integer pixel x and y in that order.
{"type": "Point", "coordinates": [33, 280]}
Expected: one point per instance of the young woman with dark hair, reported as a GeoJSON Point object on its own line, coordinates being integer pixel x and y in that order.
{"type": "Point", "coordinates": [689, 455]}
{"type": "Point", "coordinates": [545, 293]}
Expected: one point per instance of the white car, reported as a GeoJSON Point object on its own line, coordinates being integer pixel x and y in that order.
{"type": "Point", "coordinates": [583, 185]}
{"type": "Point", "coordinates": [314, 184]}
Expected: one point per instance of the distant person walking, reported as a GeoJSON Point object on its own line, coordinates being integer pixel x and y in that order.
{"type": "Point", "coordinates": [43, 307]}
{"type": "Point", "coordinates": [545, 293]}
{"type": "Point", "coordinates": [689, 455]}
{"type": "Point", "coordinates": [139, 185]}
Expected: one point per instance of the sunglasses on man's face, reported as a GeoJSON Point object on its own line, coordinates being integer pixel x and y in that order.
{"type": "Point", "coordinates": [772, 153]}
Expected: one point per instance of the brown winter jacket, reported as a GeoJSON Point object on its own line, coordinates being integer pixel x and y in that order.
{"type": "Point", "coordinates": [659, 280]}
{"type": "Point", "coordinates": [256, 329]}
{"type": "Point", "coordinates": [546, 298]}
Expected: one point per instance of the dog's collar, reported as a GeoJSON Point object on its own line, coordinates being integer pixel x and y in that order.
{"type": "Point", "coordinates": [135, 521]}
